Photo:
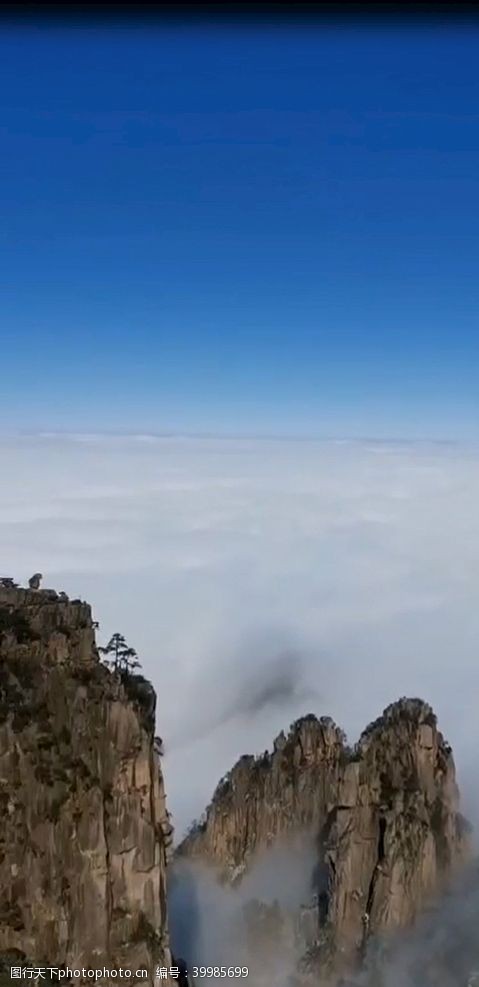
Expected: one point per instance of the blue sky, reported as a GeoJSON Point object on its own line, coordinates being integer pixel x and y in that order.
{"type": "Point", "coordinates": [241, 228]}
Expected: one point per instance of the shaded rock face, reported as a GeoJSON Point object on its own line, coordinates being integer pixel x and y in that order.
{"type": "Point", "coordinates": [84, 830]}
{"type": "Point", "coordinates": [388, 833]}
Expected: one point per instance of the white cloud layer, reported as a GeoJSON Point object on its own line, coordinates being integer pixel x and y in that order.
{"type": "Point", "coordinates": [261, 579]}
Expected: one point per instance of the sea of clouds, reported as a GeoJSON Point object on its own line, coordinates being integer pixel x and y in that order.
{"type": "Point", "coordinates": [262, 579]}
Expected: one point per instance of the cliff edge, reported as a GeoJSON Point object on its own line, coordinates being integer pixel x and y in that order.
{"type": "Point", "coordinates": [84, 830]}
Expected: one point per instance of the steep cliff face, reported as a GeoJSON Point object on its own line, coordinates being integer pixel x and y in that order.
{"type": "Point", "coordinates": [384, 816]}
{"type": "Point", "coordinates": [84, 830]}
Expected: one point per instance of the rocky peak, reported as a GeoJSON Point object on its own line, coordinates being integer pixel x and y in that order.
{"type": "Point", "coordinates": [264, 797]}
{"type": "Point", "coordinates": [384, 817]}
{"type": "Point", "coordinates": [84, 832]}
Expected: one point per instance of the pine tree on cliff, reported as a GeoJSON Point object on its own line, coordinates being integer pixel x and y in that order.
{"type": "Point", "coordinates": [124, 659]}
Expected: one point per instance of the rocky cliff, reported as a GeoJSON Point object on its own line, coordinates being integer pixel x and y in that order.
{"type": "Point", "coordinates": [384, 816]}
{"type": "Point", "coordinates": [84, 830]}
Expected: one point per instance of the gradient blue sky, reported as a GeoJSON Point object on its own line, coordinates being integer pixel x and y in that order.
{"type": "Point", "coordinates": [240, 228]}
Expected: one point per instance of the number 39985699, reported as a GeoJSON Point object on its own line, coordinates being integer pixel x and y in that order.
{"type": "Point", "coordinates": [221, 972]}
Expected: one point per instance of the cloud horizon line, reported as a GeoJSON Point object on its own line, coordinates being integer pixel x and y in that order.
{"type": "Point", "coordinates": [145, 435]}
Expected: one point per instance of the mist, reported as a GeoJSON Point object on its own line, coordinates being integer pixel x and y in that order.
{"type": "Point", "coordinates": [441, 951]}
{"type": "Point", "coordinates": [261, 580]}
{"type": "Point", "coordinates": [211, 925]}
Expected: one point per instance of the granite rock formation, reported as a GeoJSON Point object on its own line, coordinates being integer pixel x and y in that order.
{"type": "Point", "coordinates": [384, 815]}
{"type": "Point", "coordinates": [84, 829]}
